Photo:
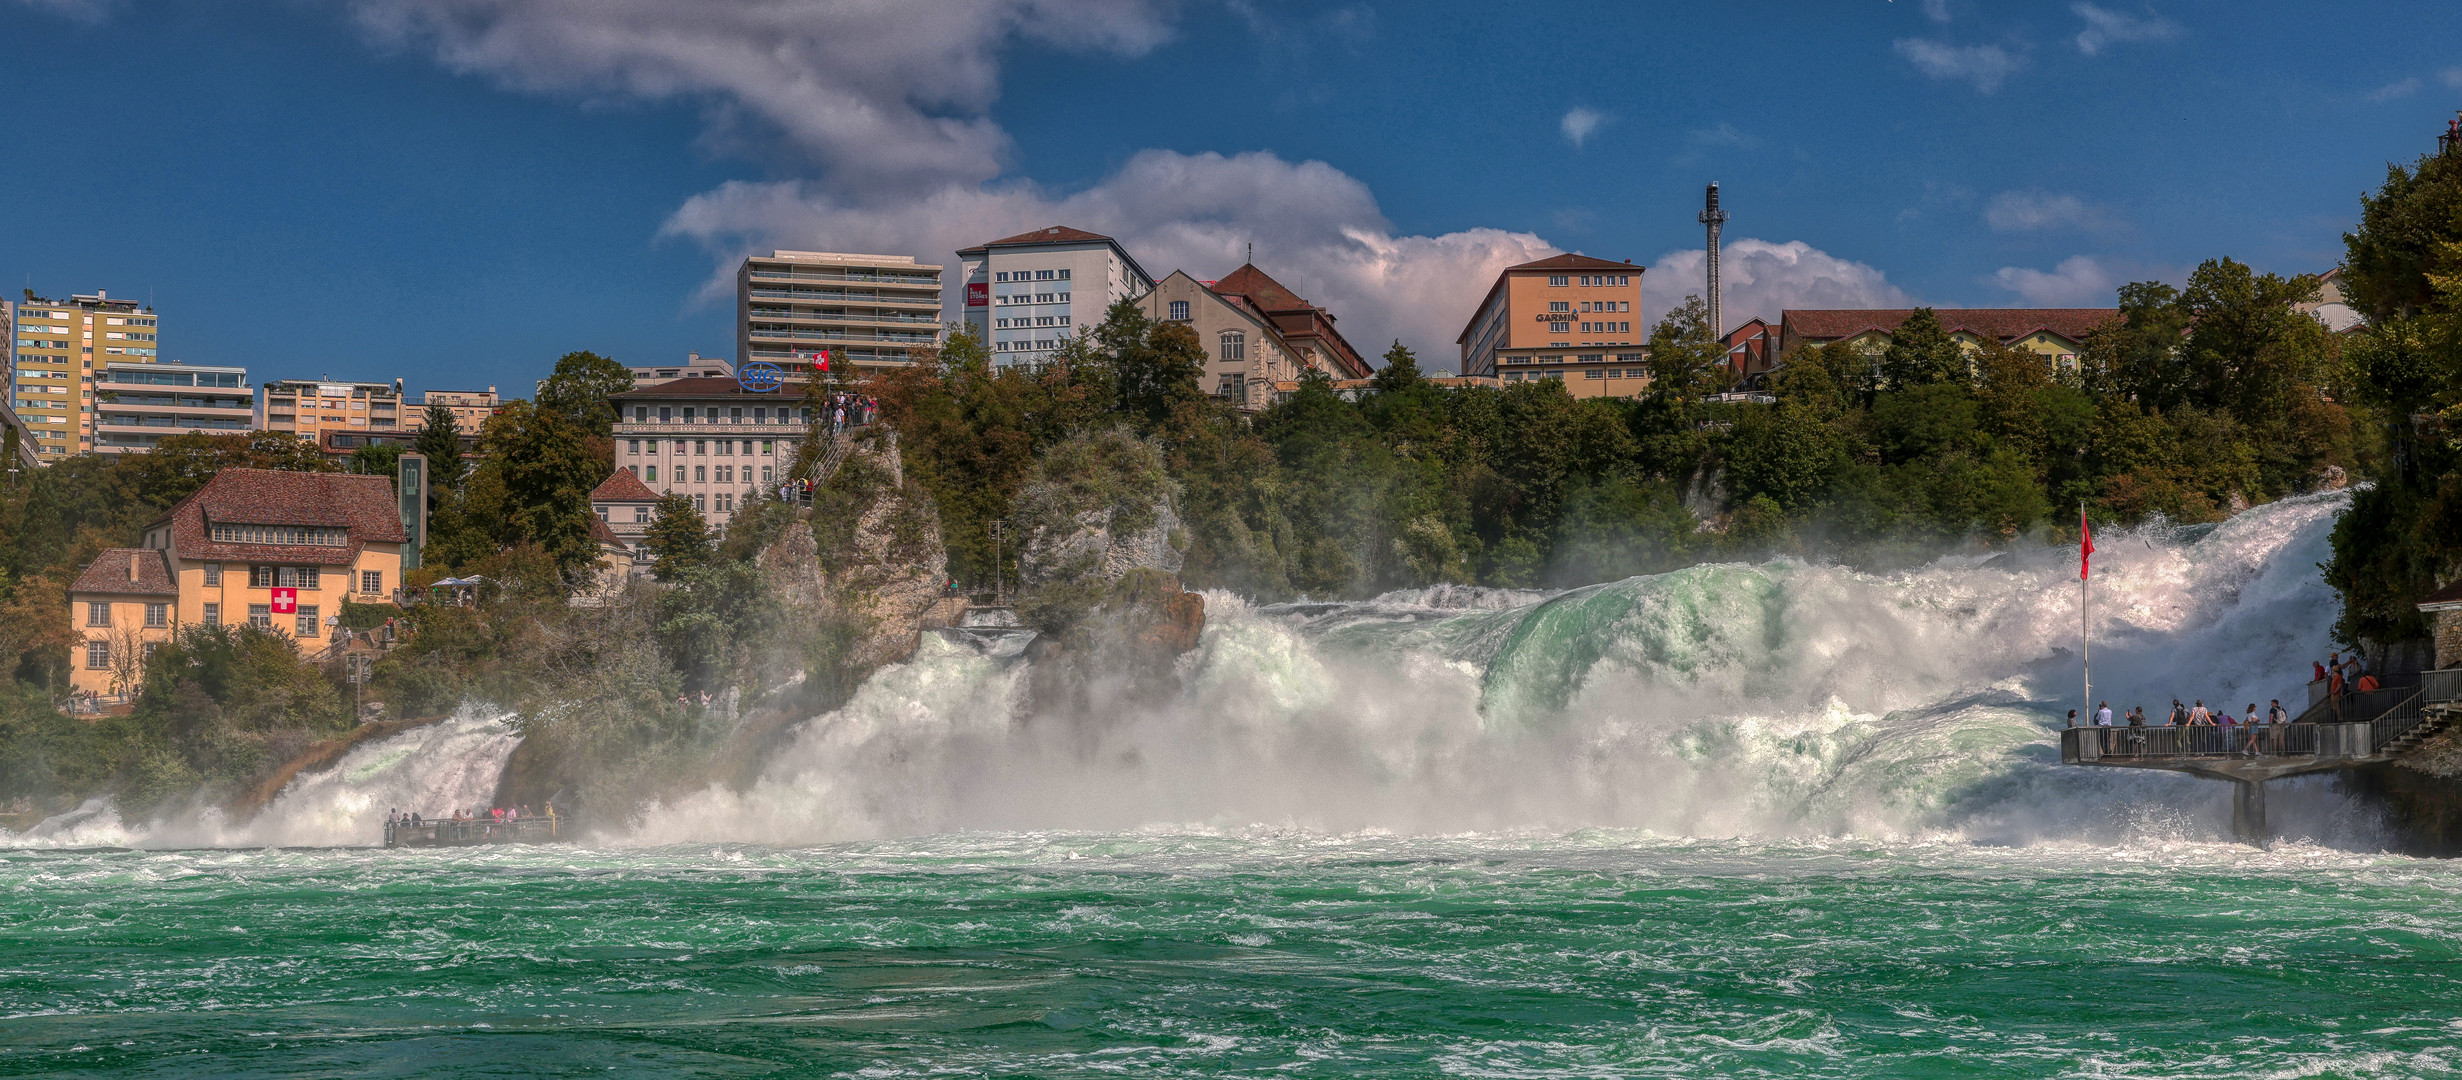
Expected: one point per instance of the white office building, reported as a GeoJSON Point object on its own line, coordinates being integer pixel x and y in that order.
{"type": "Point", "coordinates": [1027, 293]}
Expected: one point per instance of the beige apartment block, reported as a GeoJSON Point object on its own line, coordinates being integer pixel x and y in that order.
{"type": "Point", "coordinates": [471, 408]}
{"type": "Point", "coordinates": [872, 310]}
{"type": "Point", "coordinates": [308, 407]}
{"type": "Point", "coordinates": [137, 405]}
{"type": "Point", "coordinates": [60, 346]}
{"type": "Point", "coordinates": [1571, 318]}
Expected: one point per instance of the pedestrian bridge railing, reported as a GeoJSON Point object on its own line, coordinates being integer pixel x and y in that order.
{"type": "Point", "coordinates": [484, 830]}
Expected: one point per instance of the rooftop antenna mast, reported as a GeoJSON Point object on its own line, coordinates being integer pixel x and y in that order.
{"type": "Point", "coordinates": [1713, 217]}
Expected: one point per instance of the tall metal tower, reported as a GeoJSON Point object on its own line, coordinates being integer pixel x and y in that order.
{"type": "Point", "coordinates": [1714, 217]}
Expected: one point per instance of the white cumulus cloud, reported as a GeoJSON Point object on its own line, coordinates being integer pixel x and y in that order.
{"type": "Point", "coordinates": [90, 11]}
{"type": "Point", "coordinates": [2106, 28]}
{"type": "Point", "coordinates": [1759, 278]}
{"type": "Point", "coordinates": [1579, 122]}
{"type": "Point", "coordinates": [2079, 281]}
{"type": "Point", "coordinates": [1316, 229]}
{"type": "Point", "coordinates": [2394, 91]}
{"type": "Point", "coordinates": [880, 97]}
{"type": "Point", "coordinates": [1985, 66]}
{"type": "Point", "coordinates": [2037, 210]}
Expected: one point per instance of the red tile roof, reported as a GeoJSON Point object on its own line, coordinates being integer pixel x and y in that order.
{"type": "Point", "coordinates": [1057, 234]}
{"type": "Point", "coordinates": [623, 486]}
{"type": "Point", "coordinates": [108, 574]}
{"type": "Point", "coordinates": [604, 535]}
{"type": "Point", "coordinates": [363, 505]}
{"type": "Point", "coordinates": [1576, 262]}
{"type": "Point", "coordinates": [1292, 316]}
{"type": "Point", "coordinates": [2002, 324]}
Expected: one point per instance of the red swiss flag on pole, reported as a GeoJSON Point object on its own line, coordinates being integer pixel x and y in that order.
{"type": "Point", "coordinates": [2085, 546]}
{"type": "Point", "coordinates": [286, 602]}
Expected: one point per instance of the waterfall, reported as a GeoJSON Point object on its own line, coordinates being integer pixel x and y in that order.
{"type": "Point", "coordinates": [1783, 698]}
{"type": "Point", "coordinates": [430, 769]}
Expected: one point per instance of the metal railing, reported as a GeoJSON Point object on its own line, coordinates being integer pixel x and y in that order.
{"type": "Point", "coordinates": [2440, 686]}
{"type": "Point", "coordinates": [2264, 740]}
{"type": "Point", "coordinates": [485, 830]}
{"type": "Point", "coordinates": [2396, 719]}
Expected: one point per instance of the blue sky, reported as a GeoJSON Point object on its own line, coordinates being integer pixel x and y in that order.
{"type": "Point", "coordinates": [457, 191]}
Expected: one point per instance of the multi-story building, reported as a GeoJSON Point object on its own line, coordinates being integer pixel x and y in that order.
{"type": "Point", "coordinates": [1259, 337]}
{"type": "Point", "coordinates": [60, 345]}
{"type": "Point", "coordinates": [626, 507]}
{"type": "Point", "coordinates": [1026, 293]}
{"type": "Point", "coordinates": [471, 408]}
{"type": "Point", "coordinates": [280, 550]}
{"type": "Point", "coordinates": [871, 309]}
{"type": "Point", "coordinates": [135, 405]}
{"type": "Point", "coordinates": [710, 440]}
{"type": "Point", "coordinates": [1566, 317]}
{"type": "Point", "coordinates": [694, 364]}
{"type": "Point", "coordinates": [305, 407]}
{"type": "Point", "coordinates": [2057, 334]}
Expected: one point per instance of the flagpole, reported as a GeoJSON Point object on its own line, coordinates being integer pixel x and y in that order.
{"type": "Point", "coordinates": [2085, 604]}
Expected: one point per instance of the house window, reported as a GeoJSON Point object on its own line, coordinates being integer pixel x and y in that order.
{"type": "Point", "coordinates": [98, 656]}
{"type": "Point", "coordinates": [1000, 275]}
{"type": "Point", "coordinates": [1560, 328]}
{"type": "Point", "coordinates": [641, 414]}
{"type": "Point", "coordinates": [260, 577]}
{"type": "Point", "coordinates": [307, 623]}
{"type": "Point", "coordinates": [150, 647]}
{"type": "Point", "coordinates": [1233, 386]}
{"type": "Point", "coordinates": [1179, 311]}
{"type": "Point", "coordinates": [640, 514]}
{"type": "Point", "coordinates": [98, 614]}
{"type": "Point", "coordinates": [1594, 374]}
{"type": "Point", "coordinates": [700, 474]}
{"type": "Point", "coordinates": [213, 613]}
{"type": "Point", "coordinates": [653, 474]}
{"type": "Point", "coordinates": [371, 581]}
{"type": "Point", "coordinates": [726, 502]}
{"type": "Point", "coordinates": [1064, 274]}
{"type": "Point", "coordinates": [1558, 280]}
{"type": "Point", "coordinates": [700, 504]}
{"type": "Point", "coordinates": [665, 414]}
{"type": "Point", "coordinates": [297, 577]}
{"type": "Point", "coordinates": [1042, 275]}
{"type": "Point", "coordinates": [1235, 346]}
{"type": "Point", "coordinates": [213, 575]}
{"type": "Point", "coordinates": [157, 616]}
{"type": "Point", "coordinates": [765, 473]}
{"type": "Point", "coordinates": [735, 416]}
{"type": "Point", "coordinates": [1559, 305]}
{"type": "Point", "coordinates": [701, 447]}
{"type": "Point", "coordinates": [261, 616]}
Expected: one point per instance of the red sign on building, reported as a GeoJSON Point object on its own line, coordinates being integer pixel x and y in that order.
{"type": "Point", "coordinates": [286, 601]}
{"type": "Point", "coordinates": [978, 294]}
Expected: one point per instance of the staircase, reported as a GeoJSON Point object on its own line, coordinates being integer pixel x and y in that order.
{"type": "Point", "coordinates": [841, 445]}
{"type": "Point", "coordinates": [2420, 731]}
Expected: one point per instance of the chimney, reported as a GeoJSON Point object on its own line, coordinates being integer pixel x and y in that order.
{"type": "Point", "coordinates": [132, 566]}
{"type": "Point", "coordinates": [1714, 217]}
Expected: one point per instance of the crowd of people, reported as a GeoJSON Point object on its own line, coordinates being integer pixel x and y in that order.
{"type": "Point", "coordinates": [2252, 730]}
{"type": "Point", "coordinates": [849, 410]}
{"type": "Point", "coordinates": [487, 815]}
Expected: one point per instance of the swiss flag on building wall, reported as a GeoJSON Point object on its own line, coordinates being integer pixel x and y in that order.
{"type": "Point", "coordinates": [286, 601]}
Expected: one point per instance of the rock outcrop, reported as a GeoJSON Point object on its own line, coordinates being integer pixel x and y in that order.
{"type": "Point", "coordinates": [883, 567]}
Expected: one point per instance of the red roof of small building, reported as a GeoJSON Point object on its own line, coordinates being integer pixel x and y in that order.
{"type": "Point", "coordinates": [363, 505]}
{"type": "Point", "coordinates": [2443, 599]}
{"type": "Point", "coordinates": [2000, 324]}
{"type": "Point", "coordinates": [623, 486]}
{"type": "Point", "coordinates": [604, 535]}
{"type": "Point", "coordinates": [108, 574]}
{"type": "Point", "coordinates": [1057, 234]}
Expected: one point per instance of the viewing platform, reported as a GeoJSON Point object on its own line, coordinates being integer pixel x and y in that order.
{"type": "Point", "coordinates": [470, 832]}
{"type": "Point", "coordinates": [2336, 732]}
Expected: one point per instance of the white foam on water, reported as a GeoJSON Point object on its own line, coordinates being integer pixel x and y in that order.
{"type": "Point", "coordinates": [1783, 699]}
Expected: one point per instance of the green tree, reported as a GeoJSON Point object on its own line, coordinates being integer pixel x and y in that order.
{"type": "Point", "coordinates": [1157, 366]}
{"type": "Point", "coordinates": [1687, 359]}
{"type": "Point", "coordinates": [1401, 370]}
{"type": "Point", "coordinates": [440, 441]}
{"type": "Point", "coordinates": [378, 459]}
{"type": "Point", "coordinates": [547, 472]}
{"type": "Point", "coordinates": [1921, 353]}
{"type": "Point", "coordinates": [581, 389]}
{"type": "Point", "coordinates": [678, 539]}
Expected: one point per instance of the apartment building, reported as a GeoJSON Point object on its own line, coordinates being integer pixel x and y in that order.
{"type": "Point", "coordinates": [305, 407]}
{"type": "Point", "coordinates": [470, 408]}
{"type": "Point", "coordinates": [1566, 317]}
{"type": "Point", "coordinates": [280, 550]}
{"type": "Point", "coordinates": [694, 365]}
{"type": "Point", "coordinates": [60, 346]}
{"type": "Point", "coordinates": [1027, 293]}
{"type": "Point", "coordinates": [136, 404]}
{"type": "Point", "coordinates": [871, 310]}
{"type": "Point", "coordinates": [709, 439]}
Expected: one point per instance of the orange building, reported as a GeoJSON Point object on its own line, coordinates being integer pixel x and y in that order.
{"type": "Point", "coordinates": [1567, 317]}
{"type": "Point", "coordinates": [280, 550]}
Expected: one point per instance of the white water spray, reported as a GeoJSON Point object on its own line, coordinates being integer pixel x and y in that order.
{"type": "Point", "coordinates": [1781, 699]}
{"type": "Point", "coordinates": [432, 769]}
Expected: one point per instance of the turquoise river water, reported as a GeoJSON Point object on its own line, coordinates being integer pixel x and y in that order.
{"type": "Point", "coordinates": [1779, 820]}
